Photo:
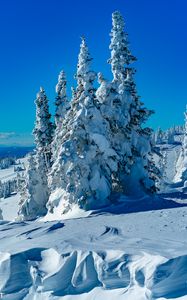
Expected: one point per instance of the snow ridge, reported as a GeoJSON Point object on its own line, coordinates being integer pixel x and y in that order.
{"type": "Point", "coordinates": [64, 272]}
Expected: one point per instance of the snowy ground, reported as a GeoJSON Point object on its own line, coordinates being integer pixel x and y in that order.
{"type": "Point", "coordinates": [7, 174]}
{"type": "Point", "coordinates": [136, 251]}
{"type": "Point", "coordinates": [9, 205]}
{"type": "Point", "coordinates": [133, 256]}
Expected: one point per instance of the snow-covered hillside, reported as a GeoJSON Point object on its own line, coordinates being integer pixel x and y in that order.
{"type": "Point", "coordinates": [136, 256]}
{"type": "Point", "coordinates": [9, 205]}
{"type": "Point", "coordinates": [86, 219]}
{"type": "Point", "coordinates": [133, 251]}
{"type": "Point", "coordinates": [170, 149]}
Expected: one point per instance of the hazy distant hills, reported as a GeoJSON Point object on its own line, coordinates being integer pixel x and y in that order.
{"type": "Point", "coordinates": [14, 151]}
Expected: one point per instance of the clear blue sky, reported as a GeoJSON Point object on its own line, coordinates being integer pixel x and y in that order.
{"type": "Point", "coordinates": [40, 37]}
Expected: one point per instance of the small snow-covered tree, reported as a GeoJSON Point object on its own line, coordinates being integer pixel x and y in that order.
{"type": "Point", "coordinates": [158, 136]}
{"type": "Point", "coordinates": [6, 162]}
{"type": "Point", "coordinates": [85, 161]}
{"type": "Point", "coordinates": [61, 103]}
{"type": "Point", "coordinates": [181, 166]}
{"type": "Point", "coordinates": [62, 106]}
{"type": "Point", "coordinates": [163, 166]}
{"type": "Point", "coordinates": [43, 131]}
{"type": "Point", "coordinates": [33, 191]}
{"type": "Point", "coordinates": [170, 135]}
{"type": "Point", "coordinates": [7, 188]}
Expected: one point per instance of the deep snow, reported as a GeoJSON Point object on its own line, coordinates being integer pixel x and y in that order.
{"type": "Point", "coordinates": [134, 251]}
{"type": "Point", "coordinates": [131, 256]}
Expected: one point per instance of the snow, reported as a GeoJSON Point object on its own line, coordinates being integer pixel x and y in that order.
{"type": "Point", "coordinates": [10, 207]}
{"type": "Point", "coordinates": [56, 214]}
{"type": "Point", "coordinates": [116, 256]}
{"type": "Point", "coordinates": [132, 246]}
{"type": "Point", "coordinates": [95, 255]}
{"type": "Point", "coordinates": [7, 174]}
{"type": "Point", "coordinates": [136, 250]}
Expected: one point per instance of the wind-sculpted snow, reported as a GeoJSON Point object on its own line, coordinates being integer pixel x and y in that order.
{"type": "Point", "coordinates": [48, 274]}
{"type": "Point", "coordinates": [95, 258]}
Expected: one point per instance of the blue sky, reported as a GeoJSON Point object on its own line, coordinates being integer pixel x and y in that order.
{"type": "Point", "coordinates": [40, 37]}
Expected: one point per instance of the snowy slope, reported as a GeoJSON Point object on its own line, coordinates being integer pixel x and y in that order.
{"type": "Point", "coordinates": [172, 154]}
{"type": "Point", "coordinates": [135, 251]}
{"type": "Point", "coordinates": [7, 174]}
{"type": "Point", "coordinates": [9, 205]}
{"type": "Point", "coordinates": [100, 257]}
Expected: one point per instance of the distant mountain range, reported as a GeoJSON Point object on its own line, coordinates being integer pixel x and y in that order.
{"type": "Point", "coordinates": [14, 151]}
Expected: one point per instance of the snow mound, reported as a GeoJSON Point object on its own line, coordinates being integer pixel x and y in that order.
{"type": "Point", "coordinates": [103, 256]}
{"type": "Point", "coordinates": [88, 274]}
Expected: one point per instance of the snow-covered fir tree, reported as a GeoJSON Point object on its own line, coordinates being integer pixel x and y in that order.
{"type": "Point", "coordinates": [61, 103]}
{"type": "Point", "coordinates": [120, 104]}
{"type": "Point", "coordinates": [7, 162]}
{"type": "Point", "coordinates": [35, 192]}
{"type": "Point", "coordinates": [170, 135]}
{"type": "Point", "coordinates": [181, 166]}
{"type": "Point", "coordinates": [158, 136]}
{"type": "Point", "coordinates": [120, 52]}
{"type": "Point", "coordinates": [43, 131]}
{"type": "Point", "coordinates": [83, 169]}
{"type": "Point", "coordinates": [62, 106]}
{"type": "Point", "coordinates": [115, 113]}
{"type": "Point", "coordinates": [99, 143]}
{"type": "Point", "coordinates": [7, 188]}
{"type": "Point", "coordinates": [115, 106]}
{"type": "Point", "coordinates": [179, 129]}
{"type": "Point", "coordinates": [162, 165]}
{"type": "Point", "coordinates": [141, 140]}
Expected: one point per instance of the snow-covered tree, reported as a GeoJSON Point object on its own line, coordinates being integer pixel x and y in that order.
{"type": "Point", "coordinates": [134, 142]}
{"type": "Point", "coordinates": [113, 111]}
{"type": "Point", "coordinates": [163, 166]}
{"type": "Point", "coordinates": [43, 131]}
{"type": "Point", "coordinates": [85, 162]}
{"type": "Point", "coordinates": [7, 188]}
{"type": "Point", "coordinates": [170, 135]}
{"type": "Point", "coordinates": [179, 129]}
{"type": "Point", "coordinates": [141, 139]}
{"type": "Point", "coordinates": [62, 106]}
{"type": "Point", "coordinates": [158, 136]}
{"type": "Point", "coordinates": [6, 162]}
{"type": "Point", "coordinates": [33, 191]}
{"type": "Point", "coordinates": [1, 214]}
{"type": "Point", "coordinates": [181, 166]}
{"type": "Point", "coordinates": [120, 52]}
{"type": "Point", "coordinates": [99, 143]}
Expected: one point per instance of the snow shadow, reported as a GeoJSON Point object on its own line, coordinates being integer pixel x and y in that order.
{"type": "Point", "coordinates": [131, 205]}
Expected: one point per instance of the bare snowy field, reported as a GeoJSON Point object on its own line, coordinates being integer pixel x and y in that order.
{"type": "Point", "coordinates": [129, 256]}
